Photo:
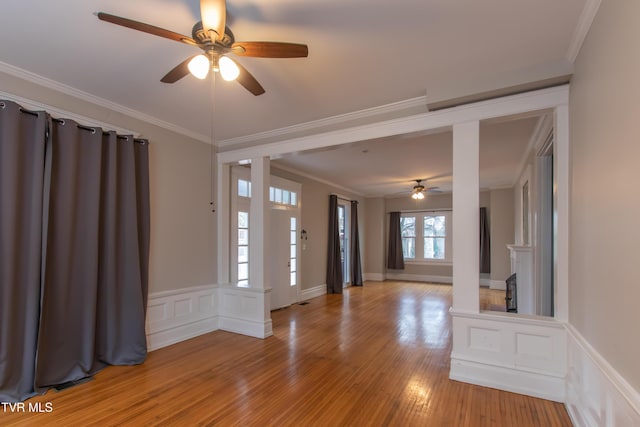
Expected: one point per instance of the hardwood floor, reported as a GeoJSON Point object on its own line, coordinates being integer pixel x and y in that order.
{"type": "Point", "coordinates": [492, 299]}
{"type": "Point", "coordinates": [374, 356]}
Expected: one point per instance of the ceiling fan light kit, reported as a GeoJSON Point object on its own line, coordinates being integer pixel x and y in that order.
{"type": "Point", "coordinates": [417, 196]}
{"type": "Point", "coordinates": [217, 41]}
{"type": "Point", "coordinates": [199, 67]}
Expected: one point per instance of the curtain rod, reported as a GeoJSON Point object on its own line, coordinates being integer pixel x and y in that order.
{"type": "Point", "coordinates": [422, 210]}
{"type": "Point", "coordinates": [87, 128]}
{"type": "Point", "coordinates": [93, 131]}
{"type": "Point", "coordinates": [343, 198]}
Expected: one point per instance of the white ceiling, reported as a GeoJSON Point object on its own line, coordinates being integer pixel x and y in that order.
{"type": "Point", "coordinates": [362, 54]}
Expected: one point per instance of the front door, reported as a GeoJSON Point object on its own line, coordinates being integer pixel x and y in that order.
{"type": "Point", "coordinates": [280, 259]}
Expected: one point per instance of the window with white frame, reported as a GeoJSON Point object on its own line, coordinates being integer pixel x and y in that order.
{"type": "Point", "coordinates": [426, 236]}
{"type": "Point", "coordinates": [283, 197]}
{"type": "Point", "coordinates": [408, 228]}
{"type": "Point", "coordinates": [293, 252]}
{"type": "Point", "coordinates": [243, 248]}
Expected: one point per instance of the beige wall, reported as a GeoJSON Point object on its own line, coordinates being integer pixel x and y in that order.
{"type": "Point", "coordinates": [315, 220]}
{"type": "Point", "coordinates": [604, 288]}
{"type": "Point", "coordinates": [501, 208]}
{"type": "Point", "coordinates": [182, 252]}
{"type": "Point", "coordinates": [374, 251]}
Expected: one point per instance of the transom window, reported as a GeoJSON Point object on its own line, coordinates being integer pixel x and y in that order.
{"type": "Point", "coordinates": [283, 197]}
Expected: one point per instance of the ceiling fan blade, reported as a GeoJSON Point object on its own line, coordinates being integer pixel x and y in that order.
{"type": "Point", "coordinates": [270, 49]}
{"type": "Point", "coordinates": [248, 81]}
{"type": "Point", "coordinates": [178, 72]}
{"type": "Point", "coordinates": [214, 15]}
{"type": "Point", "coordinates": [145, 28]}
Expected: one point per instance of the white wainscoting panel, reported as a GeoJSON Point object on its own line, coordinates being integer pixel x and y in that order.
{"type": "Point", "coordinates": [597, 395]}
{"type": "Point", "coordinates": [178, 315]}
{"type": "Point", "coordinates": [316, 291]}
{"type": "Point", "coordinates": [244, 310]}
{"type": "Point", "coordinates": [513, 353]}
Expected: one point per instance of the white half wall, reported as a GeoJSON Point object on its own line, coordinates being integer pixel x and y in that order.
{"type": "Point", "coordinates": [513, 353]}
{"type": "Point", "coordinates": [241, 311]}
{"type": "Point", "coordinates": [175, 316]}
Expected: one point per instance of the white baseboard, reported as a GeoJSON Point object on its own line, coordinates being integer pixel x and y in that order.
{"type": "Point", "coordinates": [597, 395]}
{"type": "Point", "coordinates": [374, 277]}
{"type": "Point", "coordinates": [419, 278]}
{"type": "Point", "coordinates": [316, 291]}
{"type": "Point", "coordinates": [178, 315]}
{"type": "Point", "coordinates": [498, 284]}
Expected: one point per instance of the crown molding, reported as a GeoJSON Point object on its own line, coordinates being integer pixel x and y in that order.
{"type": "Point", "coordinates": [101, 102]}
{"type": "Point", "coordinates": [580, 33]}
{"type": "Point", "coordinates": [420, 101]}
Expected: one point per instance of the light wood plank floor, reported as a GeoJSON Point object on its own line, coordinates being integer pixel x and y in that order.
{"type": "Point", "coordinates": [375, 356]}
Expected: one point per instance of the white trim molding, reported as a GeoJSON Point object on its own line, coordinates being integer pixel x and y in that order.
{"type": "Point", "coordinates": [316, 125]}
{"type": "Point", "coordinates": [316, 291]}
{"type": "Point", "coordinates": [597, 395]}
{"type": "Point", "coordinates": [175, 316]}
{"type": "Point", "coordinates": [374, 277]}
{"type": "Point", "coordinates": [526, 355]}
{"type": "Point", "coordinates": [497, 284]}
{"type": "Point", "coordinates": [509, 105]}
{"type": "Point", "coordinates": [584, 23]}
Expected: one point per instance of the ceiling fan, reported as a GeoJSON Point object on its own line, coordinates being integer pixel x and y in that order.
{"type": "Point", "coordinates": [217, 41]}
{"type": "Point", "coordinates": [419, 190]}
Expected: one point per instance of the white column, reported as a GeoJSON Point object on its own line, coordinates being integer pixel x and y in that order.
{"type": "Point", "coordinates": [466, 222]}
{"type": "Point", "coordinates": [561, 214]}
{"type": "Point", "coordinates": [223, 210]}
{"type": "Point", "coordinates": [259, 223]}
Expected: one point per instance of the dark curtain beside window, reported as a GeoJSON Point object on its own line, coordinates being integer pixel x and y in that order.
{"type": "Point", "coordinates": [22, 160]}
{"type": "Point", "coordinates": [334, 260]}
{"type": "Point", "coordinates": [356, 267]}
{"type": "Point", "coordinates": [395, 258]}
{"type": "Point", "coordinates": [86, 287]}
{"type": "Point", "coordinates": [485, 242]}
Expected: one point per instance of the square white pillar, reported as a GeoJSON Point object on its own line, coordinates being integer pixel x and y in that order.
{"type": "Point", "coordinates": [259, 223]}
{"type": "Point", "coordinates": [223, 211]}
{"type": "Point", "coordinates": [466, 213]}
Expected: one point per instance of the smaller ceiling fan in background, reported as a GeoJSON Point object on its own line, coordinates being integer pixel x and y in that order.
{"type": "Point", "coordinates": [418, 192]}
{"type": "Point", "coordinates": [217, 42]}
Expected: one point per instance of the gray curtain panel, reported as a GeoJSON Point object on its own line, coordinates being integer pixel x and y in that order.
{"type": "Point", "coordinates": [356, 267]}
{"type": "Point", "coordinates": [93, 295]}
{"type": "Point", "coordinates": [334, 261]}
{"type": "Point", "coordinates": [485, 242]}
{"type": "Point", "coordinates": [395, 258]}
{"type": "Point", "coordinates": [22, 160]}
{"type": "Point", "coordinates": [74, 251]}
